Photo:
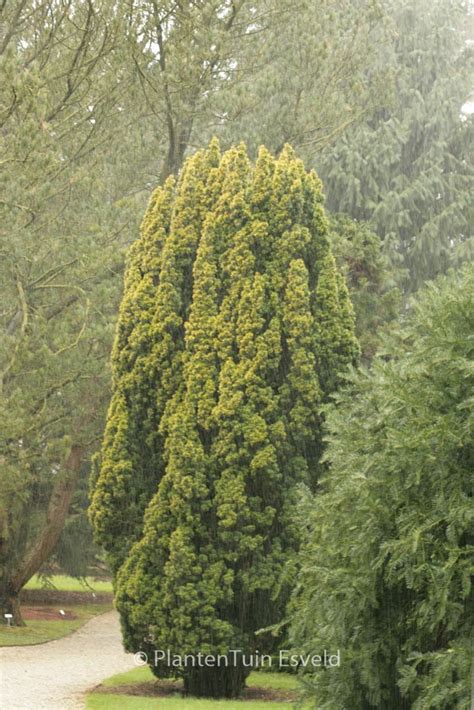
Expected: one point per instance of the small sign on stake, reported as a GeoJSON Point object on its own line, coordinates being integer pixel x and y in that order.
{"type": "Point", "coordinates": [9, 618]}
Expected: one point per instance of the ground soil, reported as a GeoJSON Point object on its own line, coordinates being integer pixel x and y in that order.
{"type": "Point", "coordinates": [164, 688]}
{"type": "Point", "coordinates": [46, 614]}
{"type": "Point", "coordinates": [40, 597]}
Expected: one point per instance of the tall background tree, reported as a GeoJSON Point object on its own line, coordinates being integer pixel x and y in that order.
{"type": "Point", "coordinates": [371, 277]}
{"type": "Point", "coordinates": [267, 71]}
{"type": "Point", "coordinates": [407, 169]}
{"type": "Point", "coordinates": [234, 327]}
{"type": "Point", "coordinates": [317, 74]}
{"type": "Point", "coordinates": [60, 232]}
{"type": "Point", "coordinates": [387, 562]}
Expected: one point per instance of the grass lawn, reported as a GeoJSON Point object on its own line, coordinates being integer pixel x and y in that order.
{"type": "Point", "coordinates": [64, 583]}
{"type": "Point", "coordinates": [98, 701]}
{"type": "Point", "coordinates": [138, 675]}
{"type": "Point", "coordinates": [40, 631]}
{"type": "Point", "coordinates": [280, 681]}
{"type": "Point", "coordinates": [107, 701]}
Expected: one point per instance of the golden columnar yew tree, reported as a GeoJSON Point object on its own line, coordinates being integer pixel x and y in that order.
{"type": "Point", "coordinates": [233, 328]}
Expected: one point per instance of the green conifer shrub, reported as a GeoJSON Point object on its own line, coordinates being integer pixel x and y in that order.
{"type": "Point", "coordinates": [233, 329]}
{"type": "Point", "coordinates": [386, 562]}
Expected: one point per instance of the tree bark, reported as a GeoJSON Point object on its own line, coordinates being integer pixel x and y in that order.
{"type": "Point", "coordinates": [56, 515]}
{"type": "Point", "coordinates": [11, 605]}
{"type": "Point", "coordinates": [219, 682]}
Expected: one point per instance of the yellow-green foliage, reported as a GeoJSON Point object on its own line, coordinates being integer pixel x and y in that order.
{"type": "Point", "coordinates": [234, 325]}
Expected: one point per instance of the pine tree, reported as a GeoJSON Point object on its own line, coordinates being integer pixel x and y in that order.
{"type": "Point", "coordinates": [223, 357]}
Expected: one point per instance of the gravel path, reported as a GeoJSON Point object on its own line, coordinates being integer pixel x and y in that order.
{"type": "Point", "coordinates": [57, 674]}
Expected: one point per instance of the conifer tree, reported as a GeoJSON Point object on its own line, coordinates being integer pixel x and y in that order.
{"type": "Point", "coordinates": [387, 558]}
{"type": "Point", "coordinates": [233, 328]}
{"type": "Point", "coordinates": [408, 169]}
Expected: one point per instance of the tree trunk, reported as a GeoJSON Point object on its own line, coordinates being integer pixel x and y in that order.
{"type": "Point", "coordinates": [216, 682]}
{"type": "Point", "coordinates": [177, 144]}
{"type": "Point", "coordinates": [56, 515]}
{"type": "Point", "coordinates": [11, 605]}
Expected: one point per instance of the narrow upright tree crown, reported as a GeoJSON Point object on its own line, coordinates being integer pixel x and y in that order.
{"type": "Point", "coordinates": [233, 329]}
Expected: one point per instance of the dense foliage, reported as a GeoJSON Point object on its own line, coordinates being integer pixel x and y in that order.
{"type": "Point", "coordinates": [407, 169]}
{"type": "Point", "coordinates": [234, 326]}
{"type": "Point", "coordinates": [371, 279]}
{"type": "Point", "coordinates": [386, 566]}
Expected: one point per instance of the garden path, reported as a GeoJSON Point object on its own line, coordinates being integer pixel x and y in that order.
{"type": "Point", "coordinates": [56, 675]}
